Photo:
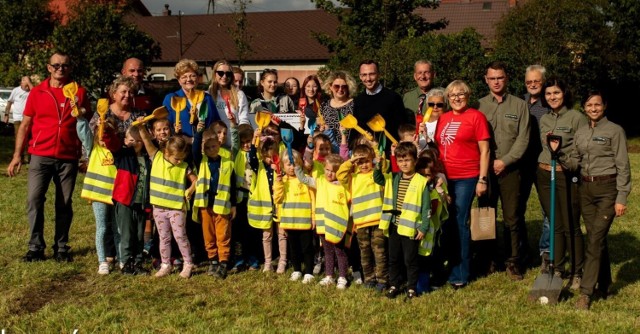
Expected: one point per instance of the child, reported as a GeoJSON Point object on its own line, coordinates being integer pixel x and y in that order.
{"type": "Point", "coordinates": [219, 129]}
{"type": "Point", "coordinates": [294, 206]}
{"type": "Point", "coordinates": [332, 198]}
{"type": "Point", "coordinates": [215, 201]}
{"type": "Point", "coordinates": [260, 210]}
{"type": "Point", "coordinates": [167, 195]}
{"type": "Point", "coordinates": [365, 206]}
{"type": "Point", "coordinates": [407, 133]}
{"type": "Point", "coordinates": [131, 195]}
{"type": "Point", "coordinates": [161, 131]}
{"type": "Point", "coordinates": [314, 157]}
{"type": "Point", "coordinates": [98, 184]}
{"type": "Point", "coordinates": [406, 218]}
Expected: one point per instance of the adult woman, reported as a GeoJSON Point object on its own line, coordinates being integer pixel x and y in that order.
{"type": "Point", "coordinates": [292, 89]}
{"type": "Point", "coordinates": [563, 122]}
{"type": "Point", "coordinates": [340, 86]}
{"type": "Point", "coordinates": [435, 101]}
{"type": "Point", "coordinates": [186, 71]}
{"type": "Point", "coordinates": [268, 100]}
{"type": "Point", "coordinates": [310, 96]}
{"type": "Point", "coordinates": [230, 101]}
{"type": "Point", "coordinates": [462, 136]}
{"type": "Point", "coordinates": [605, 172]}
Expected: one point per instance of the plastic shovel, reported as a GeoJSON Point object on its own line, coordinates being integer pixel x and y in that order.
{"type": "Point", "coordinates": [198, 96]}
{"type": "Point", "coordinates": [69, 91]}
{"type": "Point", "coordinates": [102, 107]}
{"type": "Point", "coordinates": [547, 287]}
{"type": "Point", "coordinates": [158, 113]}
{"type": "Point", "coordinates": [350, 122]}
{"type": "Point", "coordinates": [287, 138]}
{"type": "Point", "coordinates": [262, 120]}
{"type": "Point", "coordinates": [377, 124]}
{"type": "Point", "coordinates": [177, 104]}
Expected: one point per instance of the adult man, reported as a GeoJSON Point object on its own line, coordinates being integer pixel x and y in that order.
{"type": "Point", "coordinates": [17, 100]}
{"type": "Point", "coordinates": [55, 151]}
{"type": "Point", "coordinates": [534, 80]}
{"type": "Point", "coordinates": [509, 120]}
{"type": "Point", "coordinates": [145, 98]}
{"type": "Point", "coordinates": [423, 74]}
{"type": "Point", "coordinates": [377, 99]}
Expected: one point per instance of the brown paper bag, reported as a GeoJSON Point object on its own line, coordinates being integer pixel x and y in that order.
{"type": "Point", "coordinates": [483, 223]}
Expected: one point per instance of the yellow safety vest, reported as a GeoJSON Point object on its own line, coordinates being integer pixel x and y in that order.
{"type": "Point", "coordinates": [167, 185]}
{"type": "Point", "coordinates": [332, 210]}
{"type": "Point", "coordinates": [239, 165]}
{"type": "Point", "coordinates": [221, 203]}
{"type": "Point", "coordinates": [224, 153]}
{"type": "Point", "coordinates": [101, 174]}
{"type": "Point", "coordinates": [318, 170]}
{"type": "Point", "coordinates": [410, 217]}
{"type": "Point", "coordinates": [260, 204]}
{"type": "Point", "coordinates": [441, 214]}
{"type": "Point", "coordinates": [295, 211]}
{"type": "Point", "coordinates": [367, 200]}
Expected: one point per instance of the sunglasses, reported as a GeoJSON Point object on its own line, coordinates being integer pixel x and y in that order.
{"type": "Point", "coordinates": [339, 87]}
{"type": "Point", "coordinates": [58, 66]}
{"type": "Point", "coordinates": [439, 104]}
{"type": "Point", "coordinates": [221, 74]}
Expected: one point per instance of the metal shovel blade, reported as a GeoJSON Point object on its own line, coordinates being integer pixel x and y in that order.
{"type": "Point", "coordinates": [546, 289]}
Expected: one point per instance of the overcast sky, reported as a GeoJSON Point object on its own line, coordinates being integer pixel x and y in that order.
{"type": "Point", "coordinates": [224, 6]}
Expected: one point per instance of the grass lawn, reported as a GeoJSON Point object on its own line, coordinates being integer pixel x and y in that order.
{"type": "Point", "coordinates": [48, 297]}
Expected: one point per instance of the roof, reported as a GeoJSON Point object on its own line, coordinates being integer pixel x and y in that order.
{"type": "Point", "coordinates": [276, 36]}
{"type": "Point", "coordinates": [62, 6]}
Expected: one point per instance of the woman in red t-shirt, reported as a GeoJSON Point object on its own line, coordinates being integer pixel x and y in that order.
{"type": "Point", "coordinates": [462, 136]}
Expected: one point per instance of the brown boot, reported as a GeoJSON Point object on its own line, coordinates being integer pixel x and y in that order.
{"type": "Point", "coordinates": [583, 302]}
{"type": "Point", "coordinates": [513, 272]}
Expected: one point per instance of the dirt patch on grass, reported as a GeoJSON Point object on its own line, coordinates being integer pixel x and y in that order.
{"type": "Point", "coordinates": [36, 297]}
{"type": "Point", "coordinates": [634, 148]}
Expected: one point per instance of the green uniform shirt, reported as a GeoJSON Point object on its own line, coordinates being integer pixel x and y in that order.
{"type": "Point", "coordinates": [565, 124]}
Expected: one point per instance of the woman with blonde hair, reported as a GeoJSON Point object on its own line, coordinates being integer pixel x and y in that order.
{"type": "Point", "coordinates": [341, 87]}
{"type": "Point", "coordinates": [230, 101]}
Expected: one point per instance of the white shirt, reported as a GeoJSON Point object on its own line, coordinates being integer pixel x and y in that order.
{"type": "Point", "coordinates": [19, 99]}
{"type": "Point", "coordinates": [241, 113]}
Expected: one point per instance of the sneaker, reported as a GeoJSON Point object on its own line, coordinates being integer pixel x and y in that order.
{"type": "Point", "coordinates": [296, 275]}
{"type": "Point", "coordinates": [575, 283]}
{"type": "Point", "coordinates": [380, 287]}
{"type": "Point", "coordinates": [513, 272]}
{"type": "Point", "coordinates": [63, 257]}
{"type": "Point", "coordinates": [165, 269]}
{"type": "Point", "coordinates": [221, 273]}
{"type": "Point", "coordinates": [268, 268]}
{"type": "Point", "coordinates": [317, 268]}
{"type": "Point", "coordinates": [282, 267]}
{"type": "Point", "coordinates": [392, 292]}
{"type": "Point", "coordinates": [357, 278]}
{"type": "Point", "coordinates": [237, 267]}
{"type": "Point", "coordinates": [342, 283]}
{"type": "Point", "coordinates": [186, 270]}
{"type": "Point", "coordinates": [33, 256]}
{"type": "Point", "coordinates": [326, 281]}
{"type": "Point", "coordinates": [412, 294]}
{"type": "Point", "coordinates": [213, 268]}
{"type": "Point", "coordinates": [103, 268]}
{"type": "Point", "coordinates": [583, 302]}
{"type": "Point", "coordinates": [254, 265]}
{"type": "Point", "coordinates": [140, 270]}
{"type": "Point", "coordinates": [308, 278]}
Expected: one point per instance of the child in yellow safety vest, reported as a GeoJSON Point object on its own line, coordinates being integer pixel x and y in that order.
{"type": "Point", "coordinates": [294, 204]}
{"type": "Point", "coordinates": [215, 200]}
{"type": "Point", "coordinates": [220, 130]}
{"type": "Point", "coordinates": [366, 200]}
{"type": "Point", "coordinates": [169, 197]}
{"type": "Point", "coordinates": [260, 208]}
{"type": "Point", "coordinates": [331, 219]}
{"type": "Point", "coordinates": [406, 218]}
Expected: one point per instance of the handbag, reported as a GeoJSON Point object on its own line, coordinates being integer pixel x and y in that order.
{"type": "Point", "coordinates": [483, 222]}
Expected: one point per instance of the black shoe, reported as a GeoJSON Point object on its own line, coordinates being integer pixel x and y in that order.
{"type": "Point", "coordinates": [213, 268]}
{"type": "Point", "coordinates": [34, 256]}
{"type": "Point", "coordinates": [370, 284]}
{"type": "Point", "coordinates": [139, 269]}
{"type": "Point", "coordinates": [412, 294]}
{"type": "Point", "coordinates": [63, 257]}
{"type": "Point", "coordinates": [392, 293]}
{"type": "Point", "coordinates": [514, 272]}
{"type": "Point", "coordinates": [128, 269]}
{"type": "Point", "coordinates": [221, 273]}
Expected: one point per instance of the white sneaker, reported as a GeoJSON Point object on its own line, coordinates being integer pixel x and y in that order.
{"type": "Point", "coordinates": [282, 267]}
{"type": "Point", "coordinates": [307, 279]}
{"type": "Point", "coordinates": [342, 283]}
{"type": "Point", "coordinates": [165, 269]}
{"type": "Point", "coordinates": [103, 268]}
{"type": "Point", "coordinates": [317, 268]}
{"type": "Point", "coordinates": [267, 268]}
{"type": "Point", "coordinates": [326, 281]}
{"type": "Point", "coordinates": [357, 278]}
{"type": "Point", "coordinates": [295, 276]}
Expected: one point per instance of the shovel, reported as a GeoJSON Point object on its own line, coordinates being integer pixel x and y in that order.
{"type": "Point", "coordinates": [103, 107]}
{"type": "Point", "coordinates": [287, 138]}
{"type": "Point", "coordinates": [69, 91]}
{"type": "Point", "coordinates": [198, 96]}
{"type": "Point", "coordinates": [262, 120]}
{"type": "Point", "coordinates": [177, 104]}
{"type": "Point", "coordinates": [158, 113]}
{"type": "Point", "coordinates": [377, 124]}
{"type": "Point", "coordinates": [350, 122]}
{"type": "Point", "coordinates": [547, 287]}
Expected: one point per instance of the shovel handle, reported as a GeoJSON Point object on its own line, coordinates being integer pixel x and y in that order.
{"type": "Point", "coordinates": [256, 142]}
{"type": "Point", "coordinates": [144, 120]}
{"type": "Point", "coordinates": [364, 133]}
{"type": "Point", "coordinates": [393, 140]}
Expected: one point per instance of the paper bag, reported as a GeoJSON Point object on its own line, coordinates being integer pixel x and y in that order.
{"type": "Point", "coordinates": [483, 223]}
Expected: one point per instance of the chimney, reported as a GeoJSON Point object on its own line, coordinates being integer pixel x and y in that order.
{"type": "Point", "coordinates": [166, 11]}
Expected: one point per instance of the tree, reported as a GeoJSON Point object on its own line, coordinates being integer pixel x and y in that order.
{"type": "Point", "coordinates": [26, 26]}
{"type": "Point", "coordinates": [99, 39]}
{"type": "Point", "coordinates": [240, 32]}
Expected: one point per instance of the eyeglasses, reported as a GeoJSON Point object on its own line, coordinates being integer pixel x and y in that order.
{"type": "Point", "coordinates": [58, 66]}
{"type": "Point", "coordinates": [530, 82]}
{"type": "Point", "coordinates": [439, 104]}
{"type": "Point", "coordinates": [340, 87]}
{"type": "Point", "coordinates": [221, 74]}
{"type": "Point", "coordinates": [459, 95]}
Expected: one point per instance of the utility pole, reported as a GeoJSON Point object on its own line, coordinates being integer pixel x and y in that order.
{"type": "Point", "coordinates": [212, 6]}
{"type": "Point", "coordinates": [180, 31]}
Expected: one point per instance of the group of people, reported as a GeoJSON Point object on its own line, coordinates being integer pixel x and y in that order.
{"type": "Point", "coordinates": [304, 192]}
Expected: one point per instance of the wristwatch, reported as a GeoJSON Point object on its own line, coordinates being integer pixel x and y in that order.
{"type": "Point", "coordinates": [482, 180]}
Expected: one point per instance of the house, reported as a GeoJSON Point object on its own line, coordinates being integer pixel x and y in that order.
{"type": "Point", "coordinates": [137, 8]}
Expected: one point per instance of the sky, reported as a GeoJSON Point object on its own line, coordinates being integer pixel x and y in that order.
{"type": "Point", "coordinates": [224, 6]}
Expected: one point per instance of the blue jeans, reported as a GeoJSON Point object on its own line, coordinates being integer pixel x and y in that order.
{"type": "Point", "coordinates": [544, 243]}
{"type": "Point", "coordinates": [462, 191]}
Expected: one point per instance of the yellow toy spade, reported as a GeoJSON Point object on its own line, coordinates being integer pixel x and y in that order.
{"type": "Point", "coordinates": [197, 97]}
{"type": "Point", "coordinates": [262, 120]}
{"type": "Point", "coordinates": [350, 122]}
{"type": "Point", "coordinates": [377, 124]}
{"type": "Point", "coordinates": [158, 113]}
{"type": "Point", "coordinates": [177, 104]}
{"type": "Point", "coordinates": [103, 107]}
{"type": "Point", "coordinates": [69, 91]}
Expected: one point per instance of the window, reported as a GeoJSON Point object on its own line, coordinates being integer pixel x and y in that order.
{"type": "Point", "coordinates": [157, 77]}
{"type": "Point", "coordinates": [486, 6]}
{"type": "Point", "coordinates": [251, 78]}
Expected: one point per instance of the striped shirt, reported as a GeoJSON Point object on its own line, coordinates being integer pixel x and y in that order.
{"type": "Point", "coordinates": [402, 190]}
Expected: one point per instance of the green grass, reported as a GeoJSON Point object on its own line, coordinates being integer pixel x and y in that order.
{"type": "Point", "coordinates": [48, 297]}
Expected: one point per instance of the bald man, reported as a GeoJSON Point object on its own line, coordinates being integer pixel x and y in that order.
{"type": "Point", "coordinates": [146, 98]}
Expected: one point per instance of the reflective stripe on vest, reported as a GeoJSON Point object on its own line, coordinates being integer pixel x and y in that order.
{"type": "Point", "coordinates": [410, 217]}
{"type": "Point", "coordinates": [221, 202]}
{"type": "Point", "coordinates": [387, 202]}
{"type": "Point", "coordinates": [439, 213]}
{"type": "Point", "coordinates": [295, 210]}
{"type": "Point", "coordinates": [332, 210]}
{"type": "Point", "coordinates": [167, 183]}
{"type": "Point", "coordinates": [367, 200]}
{"type": "Point", "coordinates": [239, 166]}
{"type": "Point", "coordinates": [100, 176]}
{"type": "Point", "coordinates": [260, 205]}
